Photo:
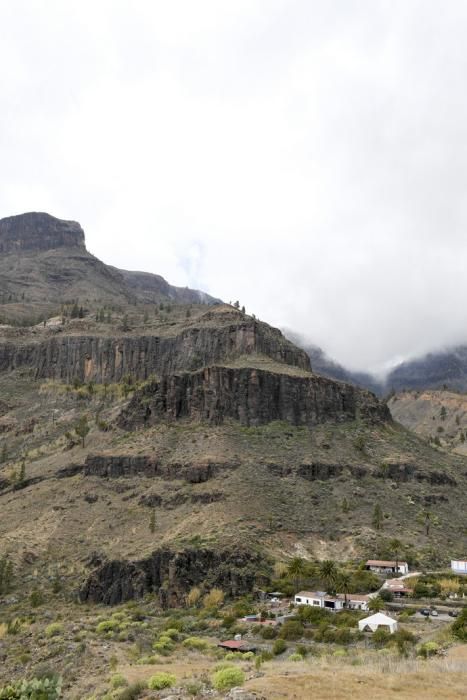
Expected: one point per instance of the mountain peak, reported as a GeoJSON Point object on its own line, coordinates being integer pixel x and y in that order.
{"type": "Point", "coordinates": [38, 231]}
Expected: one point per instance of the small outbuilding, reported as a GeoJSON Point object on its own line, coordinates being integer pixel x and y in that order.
{"type": "Point", "coordinates": [377, 621]}
{"type": "Point", "coordinates": [459, 566]}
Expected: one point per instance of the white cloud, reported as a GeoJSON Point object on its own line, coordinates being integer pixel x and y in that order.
{"type": "Point", "coordinates": [305, 157]}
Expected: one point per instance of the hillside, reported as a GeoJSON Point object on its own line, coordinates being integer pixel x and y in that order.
{"type": "Point", "coordinates": [44, 264]}
{"type": "Point", "coordinates": [438, 416]}
{"type": "Point", "coordinates": [438, 370]}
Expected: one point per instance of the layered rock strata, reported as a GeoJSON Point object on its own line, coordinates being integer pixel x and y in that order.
{"type": "Point", "coordinates": [252, 397]}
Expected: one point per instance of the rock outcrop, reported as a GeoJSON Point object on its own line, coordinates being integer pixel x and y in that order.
{"type": "Point", "coordinates": [116, 466]}
{"type": "Point", "coordinates": [109, 359]}
{"type": "Point", "coordinates": [251, 396]}
{"type": "Point", "coordinates": [172, 574]}
{"type": "Point", "coordinates": [38, 232]}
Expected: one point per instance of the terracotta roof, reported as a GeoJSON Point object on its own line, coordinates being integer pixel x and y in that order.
{"type": "Point", "coordinates": [232, 644]}
{"type": "Point", "coordinates": [357, 597]}
{"type": "Point", "coordinates": [381, 562]}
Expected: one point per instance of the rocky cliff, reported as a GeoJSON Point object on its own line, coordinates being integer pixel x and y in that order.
{"type": "Point", "coordinates": [109, 359]}
{"type": "Point", "coordinates": [171, 575]}
{"type": "Point", "coordinates": [38, 232]}
{"type": "Point", "coordinates": [251, 396]}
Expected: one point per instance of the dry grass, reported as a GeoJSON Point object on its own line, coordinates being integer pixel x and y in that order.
{"type": "Point", "coordinates": [378, 678]}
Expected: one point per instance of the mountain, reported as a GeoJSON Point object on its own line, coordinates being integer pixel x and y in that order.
{"type": "Point", "coordinates": [151, 448]}
{"type": "Point", "coordinates": [326, 366]}
{"type": "Point", "coordinates": [44, 263]}
{"type": "Point", "coordinates": [445, 369]}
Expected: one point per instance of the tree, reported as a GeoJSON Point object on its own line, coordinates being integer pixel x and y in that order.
{"type": "Point", "coordinates": [394, 547]}
{"type": "Point", "coordinates": [82, 429]}
{"type": "Point", "coordinates": [377, 519]}
{"type": "Point", "coordinates": [376, 604]}
{"type": "Point", "coordinates": [4, 453]}
{"type": "Point", "coordinates": [152, 522]}
{"type": "Point", "coordinates": [6, 575]}
{"type": "Point", "coordinates": [344, 584]}
{"type": "Point", "coordinates": [22, 472]}
{"type": "Point", "coordinates": [328, 572]}
{"type": "Point", "coordinates": [296, 570]}
{"type": "Point", "coordinates": [345, 505]}
{"type": "Point", "coordinates": [427, 519]}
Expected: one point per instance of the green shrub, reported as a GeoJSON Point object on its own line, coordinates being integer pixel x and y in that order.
{"type": "Point", "coordinates": [228, 678]}
{"type": "Point", "coordinates": [295, 657]}
{"type": "Point", "coordinates": [193, 687]}
{"type": "Point", "coordinates": [459, 627]}
{"type": "Point", "coordinates": [105, 626]}
{"type": "Point", "coordinates": [428, 649]}
{"type": "Point", "coordinates": [196, 643]}
{"type": "Point", "coordinates": [380, 637]}
{"type": "Point", "coordinates": [133, 691]}
{"type": "Point", "coordinates": [35, 689]}
{"type": "Point", "coordinates": [291, 629]}
{"type": "Point", "coordinates": [53, 630]}
{"type": "Point", "coordinates": [279, 647]}
{"type": "Point", "coordinates": [268, 632]}
{"type": "Point", "coordinates": [161, 680]}
{"type": "Point", "coordinates": [118, 681]}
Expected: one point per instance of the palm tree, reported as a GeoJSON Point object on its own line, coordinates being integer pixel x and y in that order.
{"type": "Point", "coordinates": [344, 584]}
{"type": "Point", "coordinates": [296, 569]}
{"type": "Point", "coordinates": [395, 548]}
{"type": "Point", "coordinates": [328, 572]}
{"type": "Point", "coordinates": [376, 604]}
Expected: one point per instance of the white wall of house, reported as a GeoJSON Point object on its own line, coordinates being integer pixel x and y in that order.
{"type": "Point", "coordinates": [459, 566]}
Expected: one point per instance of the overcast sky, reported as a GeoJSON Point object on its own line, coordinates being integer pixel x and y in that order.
{"type": "Point", "coordinates": [307, 157]}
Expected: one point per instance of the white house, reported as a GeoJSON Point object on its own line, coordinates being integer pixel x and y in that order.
{"type": "Point", "coordinates": [382, 566]}
{"type": "Point", "coordinates": [459, 566]}
{"type": "Point", "coordinates": [377, 621]}
{"type": "Point", "coordinates": [355, 601]}
{"type": "Point", "coordinates": [320, 599]}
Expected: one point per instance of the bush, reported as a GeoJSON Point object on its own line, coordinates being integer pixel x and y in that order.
{"type": "Point", "coordinates": [295, 657]}
{"type": "Point", "coordinates": [53, 630]}
{"type": "Point", "coordinates": [118, 681]}
{"type": "Point", "coordinates": [279, 647]}
{"type": "Point", "coordinates": [459, 627]}
{"type": "Point", "coordinates": [36, 689]}
{"type": "Point", "coordinates": [196, 643]}
{"type": "Point", "coordinates": [291, 629]}
{"type": "Point", "coordinates": [105, 626]}
{"type": "Point", "coordinates": [161, 680]}
{"type": "Point", "coordinates": [428, 649]}
{"type": "Point", "coordinates": [133, 691]}
{"type": "Point", "coordinates": [268, 632]}
{"type": "Point", "coordinates": [381, 637]}
{"type": "Point", "coordinates": [228, 678]}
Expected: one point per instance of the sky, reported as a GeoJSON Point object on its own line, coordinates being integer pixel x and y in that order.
{"type": "Point", "coordinates": [306, 157]}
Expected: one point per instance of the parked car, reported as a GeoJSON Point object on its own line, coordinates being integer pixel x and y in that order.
{"type": "Point", "coordinates": [434, 613]}
{"type": "Point", "coordinates": [425, 612]}
{"type": "Point", "coordinates": [453, 613]}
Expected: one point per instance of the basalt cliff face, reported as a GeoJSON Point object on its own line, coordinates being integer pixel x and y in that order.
{"type": "Point", "coordinates": [108, 359]}
{"type": "Point", "coordinates": [171, 574]}
{"type": "Point", "coordinates": [251, 396]}
{"type": "Point", "coordinates": [38, 232]}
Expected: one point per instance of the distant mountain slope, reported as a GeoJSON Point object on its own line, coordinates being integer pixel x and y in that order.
{"type": "Point", "coordinates": [445, 369]}
{"type": "Point", "coordinates": [44, 260]}
{"type": "Point", "coordinates": [439, 416]}
{"type": "Point", "coordinates": [322, 364]}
